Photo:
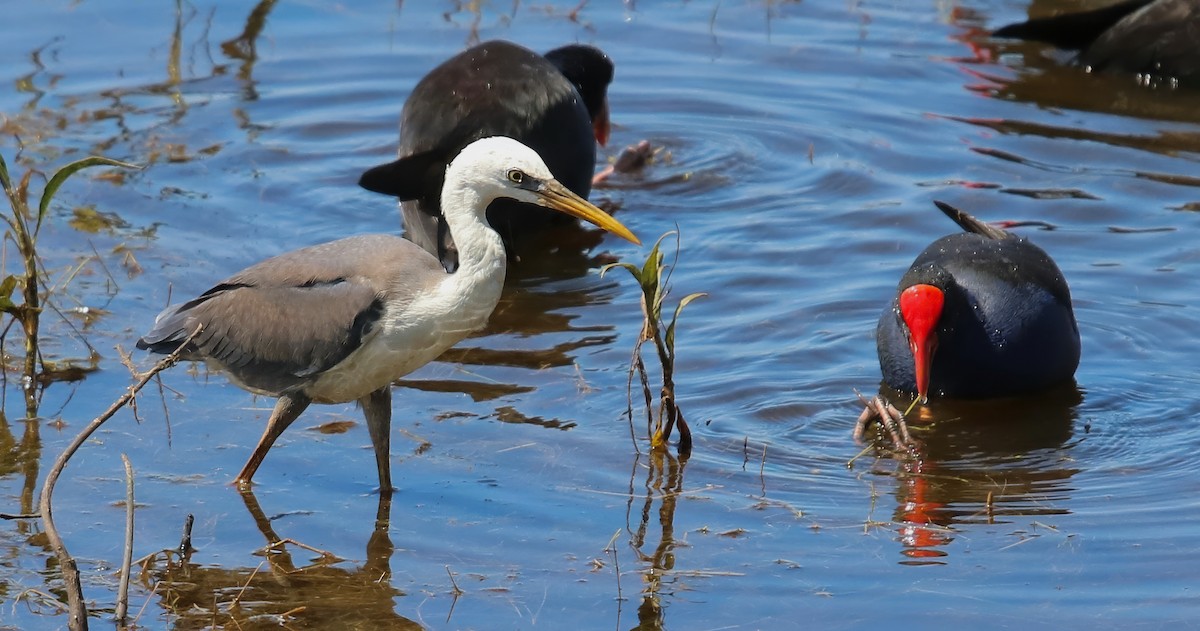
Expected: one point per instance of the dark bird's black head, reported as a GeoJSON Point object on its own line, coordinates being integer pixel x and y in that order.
{"type": "Point", "coordinates": [590, 71]}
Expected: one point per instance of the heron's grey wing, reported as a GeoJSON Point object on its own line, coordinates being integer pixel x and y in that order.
{"type": "Point", "coordinates": [276, 325]}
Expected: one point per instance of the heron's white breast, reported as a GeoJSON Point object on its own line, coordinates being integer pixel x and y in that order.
{"type": "Point", "coordinates": [414, 333]}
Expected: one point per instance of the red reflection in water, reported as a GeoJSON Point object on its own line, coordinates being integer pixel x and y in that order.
{"type": "Point", "coordinates": [919, 533]}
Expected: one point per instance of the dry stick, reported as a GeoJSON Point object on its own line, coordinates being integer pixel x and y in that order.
{"type": "Point", "coordinates": [238, 599]}
{"type": "Point", "coordinates": [762, 466]}
{"type": "Point", "coordinates": [127, 559]}
{"type": "Point", "coordinates": [611, 547]}
{"type": "Point", "coordinates": [850, 462]}
{"type": "Point", "coordinates": [19, 515]}
{"type": "Point", "coordinates": [70, 570]}
{"type": "Point", "coordinates": [629, 399]}
{"type": "Point", "coordinates": [645, 381]}
{"type": "Point", "coordinates": [667, 393]}
{"type": "Point", "coordinates": [457, 591]}
{"type": "Point", "coordinates": [185, 544]}
{"type": "Point", "coordinates": [153, 590]}
{"type": "Point", "coordinates": [617, 569]}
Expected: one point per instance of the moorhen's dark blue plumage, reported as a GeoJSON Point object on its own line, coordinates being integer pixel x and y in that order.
{"type": "Point", "coordinates": [981, 313]}
{"type": "Point", "coordinates": [1159, 39]}
{"type": "Point", "coordinates": [557, 104]}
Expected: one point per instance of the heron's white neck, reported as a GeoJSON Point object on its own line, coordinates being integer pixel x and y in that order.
{"type": "Point", "coordinates": [481, 256]}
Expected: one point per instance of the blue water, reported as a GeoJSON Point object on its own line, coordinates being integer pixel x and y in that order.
{"type": "Point", "coordinates": [803, 143]}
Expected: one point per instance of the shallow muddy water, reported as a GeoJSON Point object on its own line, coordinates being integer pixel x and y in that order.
{"type": "Point", "coordinates": [803, 144]}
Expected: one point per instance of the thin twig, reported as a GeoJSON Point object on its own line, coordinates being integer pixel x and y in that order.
{"type": "Point", "coordinates": [611, 547]}
{"type": "Point", "coordinates": [19, 515]}
{"type": "Point", "coordinates": [850, 462]}
{"type": "Point", "coordinates": [238, 599]}
{"type": "Point", "coordinates": [457, 591]}
{"type": "Point", "coordinates": [629, 399]}
{"type": "Point", "coordinates": [641, 368]}
{"type": "Point", "coordinates": [153, 590]}
{"type": "Point", "coordinates": [70, 570]}
{"type": "Point", "coordinates": [762, 478]}
{"type": "Point", "coordinates": [127, 558]}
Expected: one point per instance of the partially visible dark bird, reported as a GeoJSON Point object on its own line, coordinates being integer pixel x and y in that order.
{"type": "Point", "coordinates": [982, 313]}
{"type": "Point", "coordinates": [556, 104]}
{"type": "Point", "coordinates": [1156, 39]}
{"type": "Point", "coordinates": [339, 321]}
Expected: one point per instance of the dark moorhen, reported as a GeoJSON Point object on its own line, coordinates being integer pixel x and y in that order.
{"type": "Point", "coordinates": [1157, 39]}
{"type": "Point", "coordinates": [556, 104]}
{"type": "Point", "coordinates": [981, 313]}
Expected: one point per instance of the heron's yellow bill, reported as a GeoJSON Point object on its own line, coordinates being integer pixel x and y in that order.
{"type": "Point", "coordinates": [554, 195]}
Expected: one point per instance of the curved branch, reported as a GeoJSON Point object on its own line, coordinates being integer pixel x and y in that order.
{"type": "Point", "coordinates": [70, 571]}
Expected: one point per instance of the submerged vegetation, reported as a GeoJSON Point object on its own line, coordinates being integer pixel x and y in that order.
{"type": "Point", "coordinates": [24, 225]}
{"type": "Point", "coordinates": [654, 292]}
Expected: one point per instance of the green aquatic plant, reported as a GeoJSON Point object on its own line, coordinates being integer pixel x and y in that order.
{"type": "Point", "coordinates": [24, 225]}
{"type": "Point", "coordinates": [654, 292]}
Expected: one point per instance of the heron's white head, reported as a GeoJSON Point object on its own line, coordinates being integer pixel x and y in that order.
{"type": "Point", "coordinates": [501, 167]}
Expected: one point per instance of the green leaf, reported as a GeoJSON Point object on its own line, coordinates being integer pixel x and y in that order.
{"type": "Point", "coordinates": [67, 171]}
{"type": "Point", "coordinates": [670, 338]}
{"type": "Point", "coordinates": [654, 261]}
{"type": "Point", "coordinates": [633, 270]}
{"type": "Point", "coordinates": [7, 286]}
{"type": "Point", "coordinates": [655, 292]}
{"type": "Point", "coordinates": [652, 264]}
{"type": "Point", "coordinates": [4, 174]}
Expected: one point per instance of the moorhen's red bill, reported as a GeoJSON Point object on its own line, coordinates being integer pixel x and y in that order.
{"type": "Point", "coordinates": [981, 313]}
{"type": "Point", "coordinates": [1157, 39]}
{"type": "Point", "coordinates": [556, 104]}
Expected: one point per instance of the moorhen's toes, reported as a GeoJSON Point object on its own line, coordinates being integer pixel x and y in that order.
{"type": "Point", "coordinates": [890, 418]}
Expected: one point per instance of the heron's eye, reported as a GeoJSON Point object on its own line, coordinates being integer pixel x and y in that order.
{"type": "Point", "coordinates": [516, 176]}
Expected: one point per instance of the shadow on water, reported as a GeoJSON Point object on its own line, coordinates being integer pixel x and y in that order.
{"type": "Point", "coordinates": [981, 462]}
{"type": "Point", "coordinates": [22, 458]}
{"type": "Point", "coordinates": [278, 593]}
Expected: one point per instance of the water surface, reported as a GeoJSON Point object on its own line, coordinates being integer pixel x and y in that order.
{"type": "Point", "coordinates": [803, 143]}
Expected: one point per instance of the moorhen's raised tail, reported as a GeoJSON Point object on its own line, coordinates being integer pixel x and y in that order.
{"type": "Point", "coordinates": [1156, 39]}
{"type": "Point", "coordinates": [981, 313]}
{"type": "Point", "coordinates": [556, 104]}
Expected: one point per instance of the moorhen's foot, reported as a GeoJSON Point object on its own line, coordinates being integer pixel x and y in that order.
{"type": "Point", "coordinates": [877, 409]}
{"type": "Point", "coordinates": [632, 158]}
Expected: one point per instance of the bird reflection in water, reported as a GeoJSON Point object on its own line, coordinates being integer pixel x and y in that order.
{"type": "Point", "coordinates": [279, 593]}
{"type": "Point", "coordinates": [981, 462]}
{"type": "Point", "coordinates": [1030, 72]}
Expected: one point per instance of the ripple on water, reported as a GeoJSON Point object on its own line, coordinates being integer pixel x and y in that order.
{"type": "Point", "coordinates": [802, 144]}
